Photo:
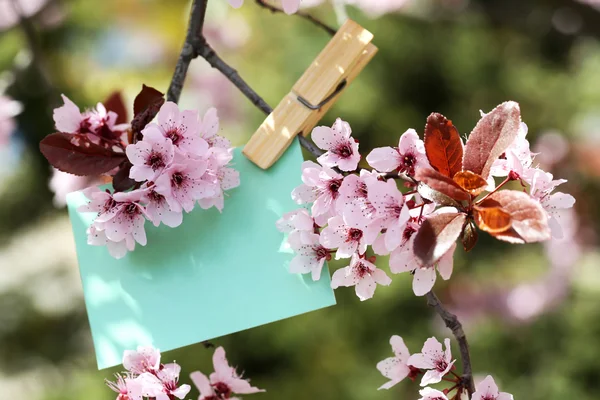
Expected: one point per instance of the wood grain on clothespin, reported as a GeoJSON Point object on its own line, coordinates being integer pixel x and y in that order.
{"type": "Point", "coordinates": [344, 57]}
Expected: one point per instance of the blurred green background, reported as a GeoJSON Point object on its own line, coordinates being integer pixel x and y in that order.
{"type": "Point", "coordinates": [531, 312]}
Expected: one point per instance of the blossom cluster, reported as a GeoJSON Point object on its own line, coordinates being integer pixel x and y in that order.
{"type": "Point", "coordinates": [435, 364]}
{"type": "Point", "coordinates": [168, 167]}
{"type": "Point", "coordinates": [147, 377]}
{"type": "Point", "coordinates": [449, 190]}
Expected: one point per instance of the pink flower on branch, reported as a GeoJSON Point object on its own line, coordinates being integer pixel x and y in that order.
{"type": "Point", "coordinates": [341, 148]}
{"type": "Point", "coordinates": [144, 359]}
{"type": "Point", "coordinates": [406, 158]}
{"type": "Point", "coordinates": [181, 127]}
{"type": "Point", "coordinates": [361, 274]}
{"type": "Point", "coordinates": [432, 394]}
{"type": "Point", "coordinates": [182, 185]}
{"type": "Point", "coordinates": [488, 390]}
{"type": "Point", "coordinates": [395, 368]}
{"type": "Point", "coordinates": [433, 358]}
{"type": "Point", "coordinates": [224, 382]}
{"type": "Point", "coordinates": [347, 239]}
{"type": "Point", "coordinates": [159, 211]}
{"type": "Point", "coordinates": [321, 187]}
{"type": "Point", "coordinates": [310, 254]}
{"type": "Point", "coordinates": [150, 156]}
{"type": "Point", "coordinates": [392, 212]}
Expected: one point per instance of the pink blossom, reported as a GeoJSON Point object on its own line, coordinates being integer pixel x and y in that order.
{"type": "Point", "coordinates": [353, 202]}
{"type": "Point", "coordinates": [347, 239]}
{"type": "Point", "coordinates": [182, 127]}
{"type": "Point", "coordinates": [209, 128]}
{"type": "Point", "coordinates": [159, 210]}
{"type": "Point", "coordinates": [150, 156]}
{"type": "Point", "coordinates": [297, 220]}
{"type": "Point", "coordinates": [433, 358]}
{"type": "Point", "coordinates": [408, 156]}
{"type": "Point", "coordinates": [517, 158]}
{"type": "Point", "coordinates": [432, 394]}
{"type": "Point", "coordinates": [310, 254]}
{"type": "Point", "coordinates": [169, 377]}
{"type": "Point", "coordinates": [488, 390]}
{"type": "Point", "coordinates": [218, 178]}
{"type": "Point", "coordinates": [392, 212]}
{"type": "Point", "coordinates": [395, 368]}
{"type": "Point", "coordinates": [542, 186]}
{"type": "Point", "coordinates": [125, 219]}
{"type": "Point", "coordinates": [403, 259]}
{"type": "Point", "coordinates": [144, 359]}
{"type": "Point", "coordinates": [361, 274]}
{"type": "Point", "coordinates": [341, 148]}
{"type": "Point", "coordinates": [320, 187]}
{"type": "Point", "coordinates": [223, 382]}
{"type": "Point", "coordinates": [118, 249]}
{"type": "Point", "coordinates": [182, 185]}
{"type": "Point", "coordinates": [68, 118]}
{"type": "Point", "coordinates": [126, 388]}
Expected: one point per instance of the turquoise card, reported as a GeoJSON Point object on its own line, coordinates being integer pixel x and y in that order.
{"type": "Point", "coordinates": [214, 275]}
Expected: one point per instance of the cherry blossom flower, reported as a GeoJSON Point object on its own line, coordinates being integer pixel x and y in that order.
{"type": "Point", "coordinates": [101, 202]}
{"type": "Point", "coordinates": [392, 212]}
{"type": "Point", "coordinates": [297, 220]}
{"type": "Point", "coordinates": [125, 219]}
{"type": "Point", "coordinates": [395, 368]}
{"type": "Point", "coordinates": [149, 156]}
{"type": "Point", "coordinates": [182, 127]}
{"type": "Point", "coordinates": [126, 387]}
{"type": "Point", "coordinates": [169, 377]}
{"type": "Point", "coordinates": [432, 394]}
{"type": "Point", "coordinates": [310, 254]}
{"type": "Point", "coordinates": [361, 274]}
{"type": "Point", "coordinates": [118, 249]}
{"type": "Point", "coordinates": [321, 186]}
{"type": "Point", "coordinates": [542, 186]}
{"type": "Point", "coordinates": [488, 390]}
{"type": "Point", "coordinates": [289, 6]}
{"type": "Point", "coordinates": [159, 211]}
{"type": "Point", "coordinates": [517, 158]}
{"type": "Point", "coordinates": [223, 382]}
{"type": "Point", "coordinates": [433, 358]}
{"type": "Point", "coordinates": [68, 118]}
{"type": "Point", "coordinates": [218, 178]}
{"type": "Point", "coordinates": [209, 129]}
{"type": "Point", "coordinates": [403, 259]}
{"type": "Point", "coordinates": [144, 359]}
{"type": "Point", "coordinates": [353, 202]}
{"type": "Point", "coordinates": [181, 185]}
{"type": "Point", "coordinates": [341, 148]}
{"type": "Point", "coordinates": [347, 239]}
{"type": "Point", "coordinates": [406, 158]}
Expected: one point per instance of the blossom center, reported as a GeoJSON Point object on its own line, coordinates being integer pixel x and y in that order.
{"type": "Point", "coordinates": [222, 390]}
{"type": "Point", "coordinates": [131, 209]}
{"type": "Point", "coordinates": [322, 252]}
{"type": "Point", "coordinates": [177, 179]}
{"type": "Point", "coordinates": [174, 136]}
{"type": "Point", "coordinates": [343, 150]}
{"type": "Point", "coordinates": [155, 161]}
{"type": "Point", "coordinates": [362, 270]}
{"type": "Point", "coordinates": [441, 365]}
{"type": "Point", "coordinates": [334, 186]}
{"type": "Point", "coordinates": [354, 235]}
{"type": "Point", "coordinates": [109, 204]}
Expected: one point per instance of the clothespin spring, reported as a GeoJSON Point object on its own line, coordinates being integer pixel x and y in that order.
{"type": "Point", "coordinates": [337, 90]}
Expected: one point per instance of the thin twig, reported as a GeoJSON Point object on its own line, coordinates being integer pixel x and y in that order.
{"type": "Point", "coordinates": [455, 326]}
{"type": "Point", "coordinates": [301, 14]}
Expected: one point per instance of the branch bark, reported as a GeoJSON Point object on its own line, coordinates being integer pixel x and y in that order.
{"type": "Point", "coordinates": [455, 326]}
{"type": "Point", "coordinates": [301, 14]}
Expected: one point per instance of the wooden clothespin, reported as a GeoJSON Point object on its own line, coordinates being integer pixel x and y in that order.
{"type": "Point", "coordinates": [313, 95]}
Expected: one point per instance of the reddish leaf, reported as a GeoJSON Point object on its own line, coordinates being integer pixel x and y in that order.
{"type": "Point", "coordinates": [491, 137]}
{"type": "Point", "coordinates": [115, 103]}
{"type": "Point", "coordinates": [121, 180]}
{"type": "Point", "coordinates": [529, 221]}
{"type": "Point", "coordinates": [83, 159]}
{"type": "Point", "coordinates": [469, 236]}
{"type": "Point", "coordinates": [442, 184]}
{"type": "Point", "coordinates": [148, 97]}
{"type": "Point", "coordinates": [437, 197]}
{"type": "Point", "coordinates": [443, 145]}
{"type": "Point", "coordinates": [436, 236]}
{"type": "Point", "coordinates": [492, 219]}
{"type": "Point", "coordinates": [470, 182]}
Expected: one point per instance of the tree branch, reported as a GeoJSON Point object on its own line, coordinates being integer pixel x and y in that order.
{"type": "Point", "coordinates": [455, 326]}
{"type": "Point", "coordinates": [301, 14]}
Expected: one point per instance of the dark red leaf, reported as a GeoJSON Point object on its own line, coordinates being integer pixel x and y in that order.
{"type": "Point", "coordinates": [82, 159]}
{"type": "Point", "coordinates": [443, 145]}
{"type": "Point", "coordinates": [115, 103]}
{"type": "Point", "coordinates": [437, 197]}
{"type": "Point", "coordinates": [491, 137]}
{"type": "Point", "coordinates": [470, 182]}
{"type": "Point", "coordinates": [436, 236]}
{"type": "Point", "coordinates": [148, 97]}
{"type": "Point", "coordinates": [121, 180]}
{"type": "Point", "coordinates": [469, 236]}
{"type": "Point", "coordinates": [442, 184]}
{"type": "Point", "coordinates": [529, 221]}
